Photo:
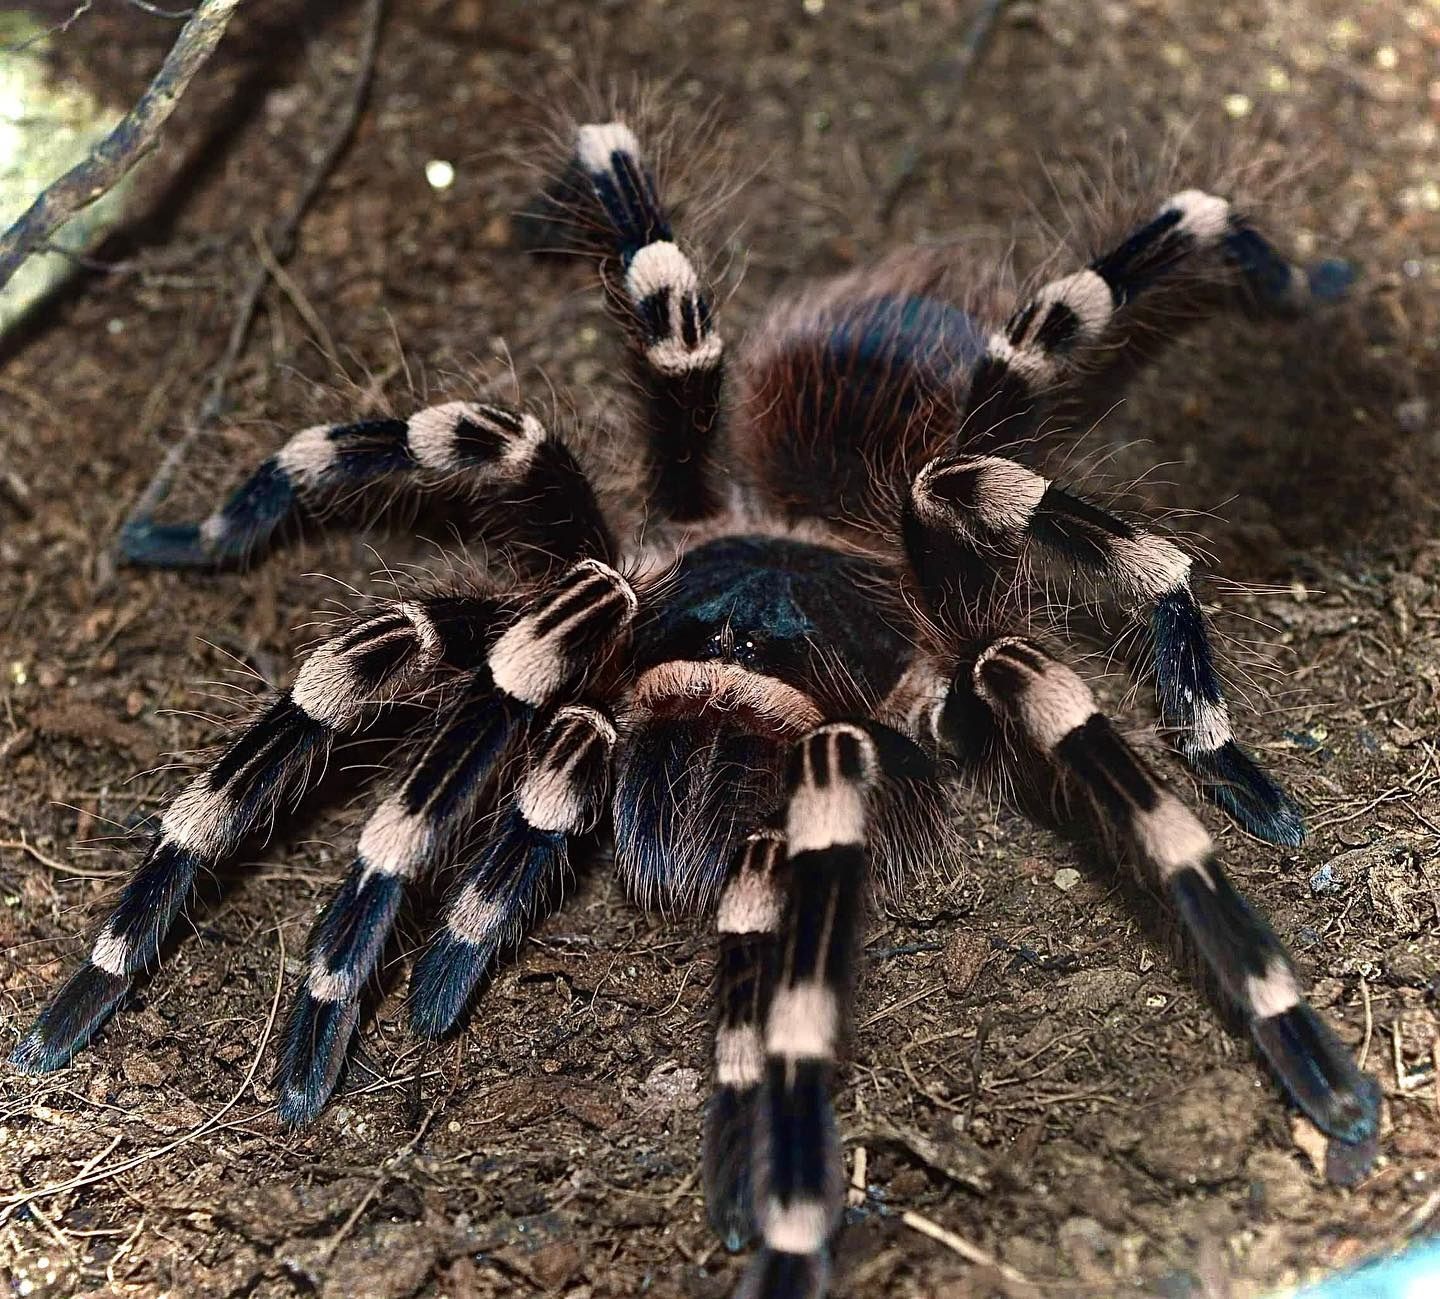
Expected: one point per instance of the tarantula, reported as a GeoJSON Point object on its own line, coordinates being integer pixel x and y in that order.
{"type": "Point", "coordinates": [771, 692]}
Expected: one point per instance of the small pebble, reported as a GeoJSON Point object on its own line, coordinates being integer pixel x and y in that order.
{"type": "Point", "coordinates": [1067, 879]}
{"type": "Point", "coordinates": [1413, 415]}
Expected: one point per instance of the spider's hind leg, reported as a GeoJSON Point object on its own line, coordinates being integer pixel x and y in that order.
{"type": "Point", "coordinates": [1053, 711]}
{"type": "Point", "coordinates": [1078, 338]}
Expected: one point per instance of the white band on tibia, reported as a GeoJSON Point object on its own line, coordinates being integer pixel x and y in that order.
{"type": "Point", "coordinates": [110, 953]}
{"type": "Point", "coordinates": [804, 1022]}
{"type": "Point", "coordinates": [394, 841]}
{"type": "Point", "coordinates": [1274, 992]}
{"type": "Point", "coordinates": [1146, 567]}
{"type": "Point", "coordinates": [800, 1227]}
{"type": "Point", "coordinates": [751, 904]}
{"type": "Point", "coordinates": [200, 818]}
{"type": "Point", "coordinates": [1204, 217]}
{"type": "Point", "coordinates": [474, 918]}
{"type": "Point", "coordinates": [308, 456]}
{"type": "Point", "coordinates": [1172, 837]}
{"type": "Point", "coordinates": [739, 1056]}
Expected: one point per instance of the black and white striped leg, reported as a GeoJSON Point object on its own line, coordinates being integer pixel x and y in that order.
{"type": "Point", "coordinates": [1055, 712]}
{"type": "Point", "coordinates": [748, 922]}
{"type": "Point", "coordinates": [666, 313]}
{"type": "Point", "coordinates": [408, 833]}
{"type": "Point", "coordinates": [521, 867]}
{"type": "Point", "coordinates": [1078, 323]}
{"type": "Point", "coordinates": [964, 512]}
{"type": "Point", "coordinates": [503, 456]}
{"type": "Point", "coordinates": [798, 1180]}
{"type": "Point", "coordinates": [277, 754]}
{"type": "Point", "coordinates": [549, 647]}
{"type": "Point", "coordinates": [563, 632]}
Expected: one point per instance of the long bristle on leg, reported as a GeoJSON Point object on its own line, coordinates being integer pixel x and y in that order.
{"type": "Point", "coordinates": [1055, 711]}
{"type": "Point", "coordinates": [965, 512]}
{"type": "Point", "coordinates": [406, 834]}
{"type": "Point", "coordinates": [798, 1179]}
{"type": "Point", "coordinates": [522, 865]}
{"type": "Point", "coordinates": [497, 453]}
{"type": "Point", "coordinates": [748, 923]}
{"type": "Point", "coordinates": [275, 756]}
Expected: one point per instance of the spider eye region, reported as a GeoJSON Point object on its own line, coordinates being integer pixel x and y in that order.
{"type": "Point", "coordinates": [747, 648]}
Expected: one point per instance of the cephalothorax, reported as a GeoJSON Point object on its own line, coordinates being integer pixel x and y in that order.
{"type": "Point", "coordinates": [772, 695]}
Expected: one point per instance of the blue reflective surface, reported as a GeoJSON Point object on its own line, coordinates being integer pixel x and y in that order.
{"type": "Point", "coordinates": [1414, 1274]}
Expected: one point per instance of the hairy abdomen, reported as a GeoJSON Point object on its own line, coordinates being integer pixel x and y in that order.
{"type": "Point", "coordinates": [845, 397]}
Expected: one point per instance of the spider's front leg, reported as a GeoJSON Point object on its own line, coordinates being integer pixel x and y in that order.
{"type": "Point", "coordinates": [517, 665]}
{"type": "Point", "coordinates": [499, 892]}
{"type": "Point", "coordinates": [1054, 712]}
{"type": "Point", "coordinates": [658, 298]}
{"type": "Point", "coordinates": [525, 481]}
{"type": "Point", "coordinates": [748, 921]}
{"type": "Point", "coordinates": [279, 754]}
{"type": "Point", "coordinates": [789, 938]}
{"type": "Point", "coordinates": [966, 522]}
{"type": "Point", "coordinates": [551, 647]}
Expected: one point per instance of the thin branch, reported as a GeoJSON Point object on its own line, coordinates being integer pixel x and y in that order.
{"type": "Point", "coordinates": [87, 1176]}
{"type": "Point", "coordinates": [133, 136]}
{"type": "Point", "coordinates": [971, 1253]}
{"type": "Point", "coordinates": [914, 157]}
{"type": "Point", "coordinates": [280, 245]}
{"type": "Point", "coordinates": [64, 25]}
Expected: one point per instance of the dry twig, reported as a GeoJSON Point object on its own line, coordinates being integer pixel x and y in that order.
{"type": "Point", "coordinates": [279, 246]}
{"type": "Point", "coordinates": [971, 1253]}
{"type": "Point", "coordinates": [90, 1174]}
{"type": "Point", "coordinates": [133, 137]}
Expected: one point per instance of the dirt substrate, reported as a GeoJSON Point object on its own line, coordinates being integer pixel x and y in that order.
{"type": "Point", "coordinates": [1034, 1069]}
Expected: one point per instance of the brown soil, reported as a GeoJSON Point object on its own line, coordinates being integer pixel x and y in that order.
{"type": "Point", "coordinates": [1034, 1070]}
